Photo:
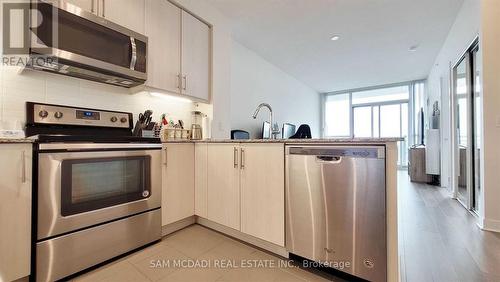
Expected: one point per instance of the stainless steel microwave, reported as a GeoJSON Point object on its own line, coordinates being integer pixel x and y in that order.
{"type": "Point", "coordinates": [86, 46]}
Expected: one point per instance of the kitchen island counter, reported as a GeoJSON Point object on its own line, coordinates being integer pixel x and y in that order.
{"type": "Point", "coordinates": [234, 160]}
{"type": "Point", "coordinates": [293, 141]}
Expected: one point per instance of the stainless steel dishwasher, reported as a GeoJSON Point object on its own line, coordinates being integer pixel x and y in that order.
{"type": "Point", "coordinates": [335, 207]}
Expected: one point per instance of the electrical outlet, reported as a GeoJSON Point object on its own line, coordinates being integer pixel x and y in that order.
{"type": "Point", "coordinates": [497, 123]}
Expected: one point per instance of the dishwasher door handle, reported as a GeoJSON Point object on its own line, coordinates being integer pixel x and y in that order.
{"type": "Point", "coordinates": [328, 159]}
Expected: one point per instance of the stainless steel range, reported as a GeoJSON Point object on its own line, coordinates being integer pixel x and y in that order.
{"type": "Point", "coordinates": [98, 192]}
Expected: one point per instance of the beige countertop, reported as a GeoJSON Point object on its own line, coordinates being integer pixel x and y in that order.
{"type": "Point", "coordinates": [16, 140]}
{"type": "Point", "coordinates": [289, 141]}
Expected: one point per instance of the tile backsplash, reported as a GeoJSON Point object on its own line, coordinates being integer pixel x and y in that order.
{"type": "Point", "coordinates": [19, 87]}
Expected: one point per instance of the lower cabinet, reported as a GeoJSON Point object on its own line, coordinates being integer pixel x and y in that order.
{"type": "Point", "coordinates": [245, 188]}
{"type": "Point", "coordinates": [223, 178]}
{"type": "Point", "coordinates": [178, 182]}
{"type": "Point", "coordinates": [262, 189]}
{"type": "Point", "coordinates": [201, 180]}
{"type": "Point", "coordinates": [15, 210]}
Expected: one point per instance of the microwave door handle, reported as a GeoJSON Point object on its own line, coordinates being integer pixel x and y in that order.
{"type": "Point", "coordinates": [133, 57]}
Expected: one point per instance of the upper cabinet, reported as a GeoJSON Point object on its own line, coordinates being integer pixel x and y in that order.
{"type": "Point", "coordinates": [195, 57]}
{"type": "Point", "coordinates": [179, 59]}
{"type": "Point", "coordinates": [87, 5]}
{"type": "Point", "coordinates": [127, 13]}
{"type": "Point", "coordinates": [163, 28]}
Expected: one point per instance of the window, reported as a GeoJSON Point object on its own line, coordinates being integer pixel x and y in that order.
{"type": "Point", "coordinates": [381, 95]}
{"type": "Point", "coordinates": [390, 121]}
{"type": "Point", "coordinates": [373, 113]}
{"type": "Point", "coordinates": [363, 122]}
{"type": "Point", "coordinates": [337, 115]}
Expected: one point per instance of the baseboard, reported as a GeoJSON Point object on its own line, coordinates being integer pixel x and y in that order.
{"type": "Point", "coordinates": [259, 243]}
{"type": "Point", "coordinates": [178, 225]}
{"type": "Point", "coordinates": [489, 224]}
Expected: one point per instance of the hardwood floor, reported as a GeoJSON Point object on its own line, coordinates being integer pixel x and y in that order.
{"type": "Point", "coordinates": [439, 239]}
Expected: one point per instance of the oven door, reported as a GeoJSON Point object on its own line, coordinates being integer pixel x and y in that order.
{"type": "Point", "coordinates": [79, 189]}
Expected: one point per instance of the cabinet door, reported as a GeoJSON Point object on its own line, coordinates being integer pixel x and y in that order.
{"type": "Point", "coordinates": [15, 211]}
{"type": "Point", "coordinates": [223, 185]}
{"type": "Point", "coordinates": [196, 50]}
{"type": "Point", "coordinates": [177, 182]}
{"type": "Point", "coordinates": [163, 28]}
{"type": "Point", "coordinates": [127, 13]}
{"type": "Point", "coordinates": [200, 176]}
{"type": "Point", "coordinates": [87, 5]}
{"type": "Point", "coordinates": [263, 191]}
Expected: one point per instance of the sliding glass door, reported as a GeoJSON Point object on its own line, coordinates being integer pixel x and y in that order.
{"type": "Point", "coordinates": [467, 129]}
{"type": "Point", "coordinates": [376, 112]}
{"type": "Point", "coordinates": [383, 120]}
{"type": "Point", "coordinates": [477, 128]}
{"type": "Point", "coordinates": [462, 86]}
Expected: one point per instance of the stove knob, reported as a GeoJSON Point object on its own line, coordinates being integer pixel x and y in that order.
{"type": "Point", "coordinates": [114, 119]}
{"type": "Point", "coordinates": [123, 119]}
{"type": "Point", "coordinates": [43, 114]}
{"type": "Point", "coordinates": [58, 115]}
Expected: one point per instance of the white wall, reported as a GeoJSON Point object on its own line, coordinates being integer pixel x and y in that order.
{"type": "Point", "coordinates": [462, 33]}
{"type": "Point", "coordinates": [490, 45]}
{"type": "Point", "coordinates": [255, 80]}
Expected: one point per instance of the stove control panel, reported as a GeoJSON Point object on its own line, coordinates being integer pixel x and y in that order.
{"type": "Point", "coordinates": [64, 115]}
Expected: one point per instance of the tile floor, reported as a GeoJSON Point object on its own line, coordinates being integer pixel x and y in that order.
{"type": "Point", "coordinates": [202, 245]}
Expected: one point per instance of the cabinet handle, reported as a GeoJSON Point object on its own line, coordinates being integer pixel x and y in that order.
{"type": "Point", "coordinates": [179, 78]}
{"type": "Point", "coordinates": [184, 77]}
{"type": "Point", "coordinates": [103, 8]}
{"type": "Point", "coordinates": [235, 157]}
{"type": "Point", "coordinates": [242, 157]}
{"type": "Point", "coordinates": [23, 168]}
{"type": "Point", "coordinates": [165, 154]}
{"type": "Point", "coordinates": [92, 6]}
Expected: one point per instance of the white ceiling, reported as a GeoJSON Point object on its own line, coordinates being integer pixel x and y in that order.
{"type": "Point", "coordinates": [375, 37]}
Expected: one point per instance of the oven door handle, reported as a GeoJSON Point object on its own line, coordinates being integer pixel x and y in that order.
{"type": "Point", "coordinates": [89, 147]}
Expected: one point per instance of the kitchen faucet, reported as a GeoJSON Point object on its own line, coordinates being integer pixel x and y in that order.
{"type": "Point", "coordinates": [272, 132]}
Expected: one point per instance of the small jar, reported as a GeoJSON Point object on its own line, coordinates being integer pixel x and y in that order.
{"type": "Point", "coordinates": [178, 133]}
{"type": "Point", "coordinates": [170, 133]}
